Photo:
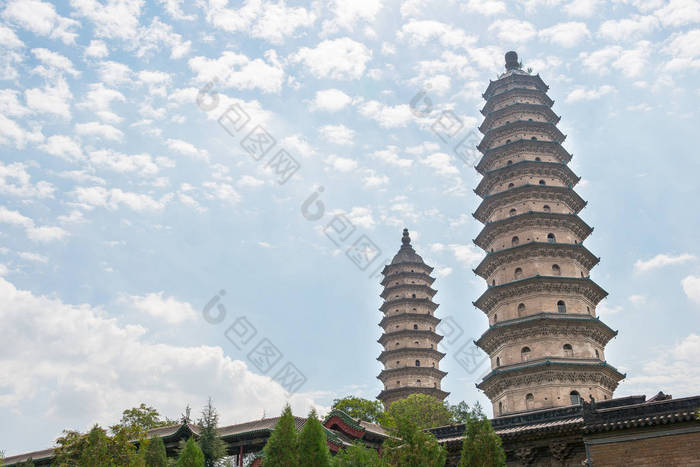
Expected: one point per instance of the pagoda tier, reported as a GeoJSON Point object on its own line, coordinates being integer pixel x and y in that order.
{"type": "Point", "coordinates": [410, 356]}
{"type": "Point", "coordinates": [545, 343]}
{"type": "Point", "coordinates": [522, 149]}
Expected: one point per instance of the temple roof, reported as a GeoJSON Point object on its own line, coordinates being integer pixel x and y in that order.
{"type": "Point", "coordinates": [406, 253]}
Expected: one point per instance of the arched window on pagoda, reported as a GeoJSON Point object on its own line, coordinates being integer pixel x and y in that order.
{"type": "Point", "coordinates": [542, 182]}
{"type": "Point", "coordinates": [509, 162]}
{"type": "Point", "coordinates": [551, 238]}
{"type": "Point", "coordinates": [518, 273]}
{"type": "Point", "coordinates": [529, 401]}
{"type": "Point", "coordinates": [568, 350]}
{"type": "Point", "coordinates": [575, 398]}
{"type": "Point", "coordinates": [556, 270]}
{"type": "Point", "coordinates": [525, 354]}
{"type": "Point", "coordinates": [415, 326]}
{"type": "Point", "coordinates": [500, 408]}
{"type": "Point", "coordinates": [498, 361]}
{"type": "Point", "coordinates": [514, 241]}
{"type": "Point", "coordinates": [418, 382]}
{"type": "Point", "coordinates": [521, 309]}
{"type": "Point", "coordinates": [537, 159]}
{"type": "Point", "coordinates": [597, 354]}
{"type": "Point", "coordinates": [561, 306]}
{"type": "Point", "coordinates": [534, 138]}
{"type": "Point", "coordinates": [513, 212]}
{"type": "Point", "coordinates": [511, 185]}
{"type": "Point", "coordinates": [417, 362]}
{"type": "Point", "coordinates": [546, 208]}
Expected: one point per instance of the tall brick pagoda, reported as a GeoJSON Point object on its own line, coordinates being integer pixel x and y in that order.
{"type": "Point", "coordinates": [546, 345]}
{"type": "Point", "coordinates": [410, 357]}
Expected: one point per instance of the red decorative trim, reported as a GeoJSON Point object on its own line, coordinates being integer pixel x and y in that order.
{"type": "Point", "coordinates": [344, 427]}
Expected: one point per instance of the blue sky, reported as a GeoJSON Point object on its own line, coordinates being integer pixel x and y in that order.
{"type": "Point", "coordinates": [125, 207]}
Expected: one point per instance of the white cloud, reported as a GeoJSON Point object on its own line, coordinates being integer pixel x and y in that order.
{"type": "Point", "coordinates": [662, 260]}
{"type": "Point", "coordinates": [55, 60]}
{"type": "Point", "coordinates": [266, 20]}
{"type": "Point", "coordinates": [90, 362]}
{"type": "Point", "coordinates": [167, 309]}
{"type": "Point", "coordinates": [419, 33]}
{"type": "Point", "coordinates": [9, 39]}
{"type": "Point", "coordinates": [96, 49]}
{"type": "Point", "coordinates": [240, 72]}
{"type": "Point", "coordinates": [441, 163]}
{"type": "Point", "coordinates": [513, 30]}
{"type": "Point", "coordinates": [99, 100]}
{"type": "Point", "coordinates": [10, 105]}
{"type": "Point", "coordinates": [604, 309]}
{"type": "Point", "coordinates": [297, 144]}
{"type": "Point", "coordinates": [16, 181]}
{"type": "Point", "coordinates": [469, 255]}
{"type": "Point", "coordinates": [187, 149]}
{"type": "Point", "coordinates": [338, 134]}
{"type": "Point", "coordinates": [691, 287]}
{"type": "Point", "coordinates": [114, 198]}
{"type": "Point", "coordinates": [41, 18]}
{"type": "Point", "coordinates": [673, 370]}
{"type": "Point", "coordinates": [372, 180]}
{"type": "Point", "coordinates": [221, 191]}
{"type": "Point", "coordinates": [34, 257]}
{"type": "Point", "coordinates": [64, 147]}
{"type": "Point", "coordinates": [114, 73]}
{"type": "Point", "coordinates": [346, 14]}
{"type": "Point", "coordinates": [583, 94]}
{"type": "Point", "coordinates": [341, 164]}
{"type": "Point", "coordinates": [565, 34]}
{"type": "Point", "coordinates": [359, 216]}
{"type": "Point", "coordinates": [159, 35]}
{"type": "Point", "coordinates": [249, 181]}
{"type": "Point", "coordinates": [582, 8]}
{"type": "Point", "coordinates": [485, 7]}
{"type": "Point", "coordinates": [684, 49]}
{"type": "Point", "coordinates": [628, 28]}
{"type": "Point", "coordinates": [11, 131]}
{"type": "Point", "coordinates": [140, 164]}
{"type": "Point", "coordinates": [100, 130]}
{"type": "Point", "coordinates": [341, 59]}
{"type": "Point", "coordinates": [330, 100]}
{"type": "Point", "coordinates": [112, 20]}
{"type": "Point", "coordinates": [390, 156]}
{"type": "Point", "coordinates": [42, 234]}
{"type": "Point", "coordinates": [53, 100]}
{"type": "Point", "coordinates": [386, 115]}
{"type": "Point", "coordinates": [679, 13]}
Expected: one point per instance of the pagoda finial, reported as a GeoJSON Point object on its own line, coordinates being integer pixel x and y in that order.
{"type": "Point", "coordinates": [406, 240]}
{"type": "Point", "coordinates": [512, 62]}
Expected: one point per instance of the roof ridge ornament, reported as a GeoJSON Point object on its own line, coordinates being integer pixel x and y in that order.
{"type": "Point", "coordinates": [405, 239]}
{"type": "Point", "coordinates": [512, 62]}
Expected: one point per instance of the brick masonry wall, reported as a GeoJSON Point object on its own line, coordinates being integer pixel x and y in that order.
{"type": "Point", "coordinates": [670, 450]}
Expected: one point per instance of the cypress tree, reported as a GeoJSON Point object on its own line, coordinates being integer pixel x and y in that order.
{"type": "Point", "coordinates": [281, 449]}
{"type": "Point", "coordinates": [313, 450]}
{"type": "Point", "coordinates": [191, 455]}
{"type": "Point", "coordinates": [155, 455]}
{"type": "Point", "coordinates": [212, 446]}
{"type": "Point", "coordinates": [481, 446]}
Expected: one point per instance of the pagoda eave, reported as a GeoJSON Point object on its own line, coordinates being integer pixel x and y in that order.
{"type": "Point", "coordinates": [518, 146]}
{"type": "Point", "coordinates": [411, 371]}
{"type": "Point", "coordinates": [555, 135]}
{"type": "Point", "coordinates": [532, 218]}
{"type": "Point", "coordinates": [517, 77]}
{"type": "Point", "coordinates": [390, 335]}
{"type": "Point", "coordinates": [407, 275]}
{"type": "Point", "coordinates": [391, 354]}
{"type": "Point", "coordinates": [517, 91]}
{"type": "Point", "coordinates": [405, 300]}
{"type": "Point", "coordinates": [537, 284]}
{"type": "Point", "coordinates": [526, 167]}
{"type": "Point", "coordinates": [519, 107]}
{"type": "Point", "coordinates": [420, 317]}
{"type": "Point", "coordinates": [524, 251]}
{"type": "Point", "coordinates": [546, 193]}
{"type": "Point", "coordinates": [405, 391]}
{"type": "Point", "coordinates": [392, 289]}
{"type": "Point", "coordinates": [543, 324]}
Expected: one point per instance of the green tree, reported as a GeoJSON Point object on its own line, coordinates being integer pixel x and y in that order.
{"type": "Point", "coordinates": [155, 455]}
{"type": "Point", "coordinates": [423, 410]}
{"type": "Point", "coordinates": [356, 407]}
{"type": "Point", "coordinates": [212, 446]}
{"type": "Point", "coordinates": [313, 447]}
{"type": "Point", "coordinates": [358, 455]}
{"type": "Point", "coordinates": [410, 446]}
{"type": "Point", "coordinates": [282, 448]}
{"type": "Point", "coordinates": [191, 455]}
{"type": "Point", "coordinates": [138, 420]}
{"type": "Point", "coordinates": [460, 412]}
{"type": "Point", "coordinates": [481, 446]}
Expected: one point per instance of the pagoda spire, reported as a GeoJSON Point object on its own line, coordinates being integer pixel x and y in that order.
{"type": "Point", "coordinates": [410, 357]}
{"type": "Point", "coordinates": [544, 339]}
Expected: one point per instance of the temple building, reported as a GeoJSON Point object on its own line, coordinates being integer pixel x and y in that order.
{"type": "Point", "coordinates": [545, 342]}
{"type": "Point", "coordinates": [410, 357]}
